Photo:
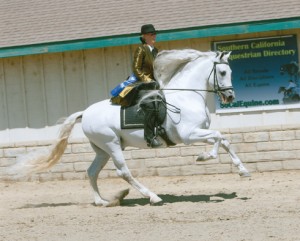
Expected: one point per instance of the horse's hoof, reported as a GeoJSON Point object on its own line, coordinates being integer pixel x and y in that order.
{"type": "Point", "coordinates": [155, 200]}
{"type": "Point", "coordinates": [203, 157]}
{"type": "Point", "coordinates": [245, 174]}
{"type": "Point", "coordinates": [101, 203]}
{"type": "Point", "coordinates": [160, 203]}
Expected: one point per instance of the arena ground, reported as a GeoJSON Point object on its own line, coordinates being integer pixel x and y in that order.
{"type": "Point", "coordinates": [205, 207]}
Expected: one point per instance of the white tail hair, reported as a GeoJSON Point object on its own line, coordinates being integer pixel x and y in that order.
{"type": "Point", "coordinates": [42, 160]}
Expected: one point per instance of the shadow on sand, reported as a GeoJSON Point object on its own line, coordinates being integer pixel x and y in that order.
{"type": "Point", "coordinates": [45, 205]}
{"type": "Point", "coordinates": [168, 198]}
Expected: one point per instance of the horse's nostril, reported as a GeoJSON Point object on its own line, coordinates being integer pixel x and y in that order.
{"type": "Point", "coordinates": [230, 98]}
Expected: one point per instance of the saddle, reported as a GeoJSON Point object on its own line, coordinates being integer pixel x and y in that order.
{"type": "Point", "coordinates": [131, 93]}
{"type": "Point", "coordinates": [132, 117]}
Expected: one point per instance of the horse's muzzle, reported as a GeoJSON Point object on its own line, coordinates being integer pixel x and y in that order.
{"type": "Point", "coordinates": [227, 96]}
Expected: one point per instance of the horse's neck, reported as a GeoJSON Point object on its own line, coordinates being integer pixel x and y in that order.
{"type": "Point", "coordinates": [193, 80]}
{"type": "Point", "coordinates": [194, 76]}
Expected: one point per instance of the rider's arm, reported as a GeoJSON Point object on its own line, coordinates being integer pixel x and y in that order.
{"type": "Point", "coordinates": [138, 65]}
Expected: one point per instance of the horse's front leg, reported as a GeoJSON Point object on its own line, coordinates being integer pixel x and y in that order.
{"type": "Point", "coordinates": [235, 159]}
{"type": "Point", "coordinates": [213, 154]}
{"type": "Point", "coordinates": [215, 138]}
{"type": "Point", "coordinates": [210, 136]}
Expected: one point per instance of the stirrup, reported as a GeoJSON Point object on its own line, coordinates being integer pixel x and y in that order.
{"type": "Point", "coordinates": [163, 134]}
{"type": "Point", "coordinates": [154, 142]}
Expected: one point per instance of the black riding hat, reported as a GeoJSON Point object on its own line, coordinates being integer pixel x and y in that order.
{"type": "Point", "coordinates": [147, 28]}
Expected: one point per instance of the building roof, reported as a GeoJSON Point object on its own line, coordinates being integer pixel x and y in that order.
{"type": "Point", "coordinates": [42, 21]}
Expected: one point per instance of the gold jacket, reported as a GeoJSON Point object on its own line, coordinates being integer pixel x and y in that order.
{"type": "Point", "coordinates": [142, 66]}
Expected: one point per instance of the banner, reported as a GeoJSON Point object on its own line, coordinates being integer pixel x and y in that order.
{"type": "Point", "coordinates": [265, 71]}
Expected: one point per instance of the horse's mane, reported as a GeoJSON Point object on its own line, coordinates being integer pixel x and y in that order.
{"type": "Point", "coordinates": [169, 62]}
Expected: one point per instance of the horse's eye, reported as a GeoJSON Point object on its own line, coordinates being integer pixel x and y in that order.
{"type": "Point", "coordinates": [223, 73]}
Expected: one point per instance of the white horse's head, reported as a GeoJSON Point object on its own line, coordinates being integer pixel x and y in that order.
{"type": "Point", "coordinates": [208, 71]}
{"type": "Point", "coordinates": [220, 77]}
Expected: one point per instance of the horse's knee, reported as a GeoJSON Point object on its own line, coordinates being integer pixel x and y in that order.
{"type": "Point", "coordinates": [211, 141]}
{"type": "Point", "coordinates": [215, 137]}
{"type": "Point", "coordinates": [218, 135]}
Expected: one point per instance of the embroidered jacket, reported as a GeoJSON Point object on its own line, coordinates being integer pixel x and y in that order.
{"type": "Point", "coordinates": [142, 66]}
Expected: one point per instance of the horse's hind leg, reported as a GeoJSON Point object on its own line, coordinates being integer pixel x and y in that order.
{"type": "Point", "coordinates": [93, 172]}
{"type": "Point", "coordinates": [235, 159]}
{"type": "Point", "coordinates": [124, 172]}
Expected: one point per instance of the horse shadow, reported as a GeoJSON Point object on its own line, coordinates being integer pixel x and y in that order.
{"type": "Point", "coordinates": [169, 198]}
{"type": "Point", "coordinates": [46, 205]}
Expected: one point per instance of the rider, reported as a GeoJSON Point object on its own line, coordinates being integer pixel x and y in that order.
{"type": "Point", "coordinates": [143, 69]}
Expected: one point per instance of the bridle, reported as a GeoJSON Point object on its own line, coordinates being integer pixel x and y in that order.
{"type": "Point", "coordinates": [217, 88]}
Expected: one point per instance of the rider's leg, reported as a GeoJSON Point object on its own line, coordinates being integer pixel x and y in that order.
{"type": "Point", "coordinates": [149, 107]}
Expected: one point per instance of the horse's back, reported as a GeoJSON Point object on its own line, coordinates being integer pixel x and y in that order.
{"type": "Point", "coordinates": [101, 124]}
{"type": "Point", "coordinates": [101, 115]}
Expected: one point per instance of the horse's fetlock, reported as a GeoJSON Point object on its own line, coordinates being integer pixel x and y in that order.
{"type": "Point", "coordinates": [218, 135]}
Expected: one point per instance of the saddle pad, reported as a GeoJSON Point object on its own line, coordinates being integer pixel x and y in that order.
{"type": "Point", "coordinates": [130, 118]}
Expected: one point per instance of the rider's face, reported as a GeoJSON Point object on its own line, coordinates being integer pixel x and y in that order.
{"type": "Point", "coordinates": [150, 38]}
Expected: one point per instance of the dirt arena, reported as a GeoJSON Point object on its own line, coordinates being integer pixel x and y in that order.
{"type": "Point", "coordinates": [205, 207]}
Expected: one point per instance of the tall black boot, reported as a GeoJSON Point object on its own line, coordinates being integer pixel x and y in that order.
{"type": "Point", "coordinates": [150, 120]}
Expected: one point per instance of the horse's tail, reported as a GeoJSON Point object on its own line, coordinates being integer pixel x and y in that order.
{"type": "Point", "coordinates": [42, 160]}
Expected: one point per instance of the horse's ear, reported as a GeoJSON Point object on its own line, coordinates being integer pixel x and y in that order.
{"type": "Point", "coordinates": [225, 56]}
{"type": "Point", "coordinates": [217, 54]}
{"type": "Point", "coordinates": [222, 55]}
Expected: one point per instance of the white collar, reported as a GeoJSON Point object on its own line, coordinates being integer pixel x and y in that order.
{"type": "Point", "coordinates": [150, 47]}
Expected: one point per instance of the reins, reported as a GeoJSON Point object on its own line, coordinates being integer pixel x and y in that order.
{"type": "Point", "coordinates": [217, 87]}
{"type": "Point", "coordinates": [214, 91]}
